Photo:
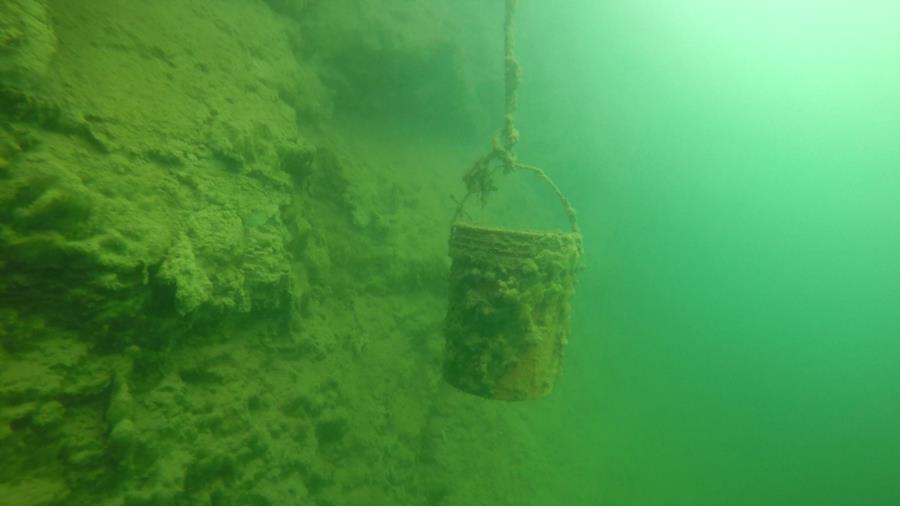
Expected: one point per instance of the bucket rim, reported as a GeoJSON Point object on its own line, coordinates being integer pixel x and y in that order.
{"type": "Point", "coordinates": [515, 232]}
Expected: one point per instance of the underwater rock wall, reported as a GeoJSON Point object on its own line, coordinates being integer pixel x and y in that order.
{"type": "Point", "coordinates": [213, 290]}
{"type": "Point", "coordinates": [434, 65]}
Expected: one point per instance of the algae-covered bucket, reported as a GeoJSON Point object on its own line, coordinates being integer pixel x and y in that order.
{"type": "Point", "coordinates": [508, 317]}
{"type": "Point", "coordinates": [510, 290]}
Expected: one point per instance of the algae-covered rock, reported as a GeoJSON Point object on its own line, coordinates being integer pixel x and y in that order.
{"type": "Point", "coordinates": [122, 440]}
{"type": "Point", "coordinates": [404, 63]}
{"type": "Point", "coordinates": [34, 492]}
{"type": "Point", "coordinates": [229, 262]}
{"type": "Point", "coordinates": [180, 270]}
{"type": "Point", "coordinates": [172, 191]}
{"type": "Point", "coordinates": [50, 415]}
{"type": "Point", "coordinates": [27, 42]}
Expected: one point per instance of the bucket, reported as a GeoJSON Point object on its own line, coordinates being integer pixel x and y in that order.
{"type": "Point", "coordinates": [507, 322]}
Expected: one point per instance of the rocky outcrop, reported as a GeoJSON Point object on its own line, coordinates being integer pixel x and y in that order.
{"type": "Point", "coordinates": [214, 290]}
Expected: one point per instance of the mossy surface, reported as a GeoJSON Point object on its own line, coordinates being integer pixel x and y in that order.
{"type": "Point", "coordinates": [219, 283]}
{"type": "Point", "coordinates": [508, 317]}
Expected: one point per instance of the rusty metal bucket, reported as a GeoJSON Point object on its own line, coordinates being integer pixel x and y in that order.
{"type": "Point", "coordinates": [507, 323]}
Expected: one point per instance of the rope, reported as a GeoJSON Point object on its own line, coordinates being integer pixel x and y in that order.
{"type": "Point", "coordinates": [513, 75]}
{"type": "Point", "coordinates": [479, 179]}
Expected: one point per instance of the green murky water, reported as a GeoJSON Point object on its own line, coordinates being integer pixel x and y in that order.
{"type": "Point", "coordinates": [736, 171]}
{"type": "Point", "coordinates": [223, 252]}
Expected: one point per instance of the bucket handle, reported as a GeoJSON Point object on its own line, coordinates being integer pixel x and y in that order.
{"type": "Point", "coordinates": [479, 177]}
{"type": "Point", "coordinates": [537, 171]}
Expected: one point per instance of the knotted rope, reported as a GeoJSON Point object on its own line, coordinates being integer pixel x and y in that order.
{"type": "Point", "coordinates": [479, 179]}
